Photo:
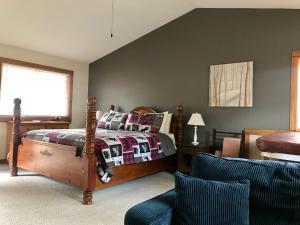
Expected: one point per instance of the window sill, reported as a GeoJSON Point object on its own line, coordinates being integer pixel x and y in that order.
{"type": "Point", "coordinates": [41, 118]}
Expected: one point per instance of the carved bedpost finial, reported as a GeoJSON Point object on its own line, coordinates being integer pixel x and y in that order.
{"type": "Point", "coordinates": [179, 133]}
{"type": "Point", "coordinates": [16, 135]}
{"type": "Point", "coordinates": [112, 107]}
{"type": "Point", "coordinates": [17, 101]}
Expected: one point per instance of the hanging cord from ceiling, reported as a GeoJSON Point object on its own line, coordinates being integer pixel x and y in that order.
{"type": "Point", "coordinates": [112, 18]}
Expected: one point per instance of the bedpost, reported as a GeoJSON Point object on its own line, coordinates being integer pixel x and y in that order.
{"type": "Point", "coordinates": [16, 136]}
{"type": "Point", "coordinates": [179, 133]}
{"type": "Point", "coordinates": [89, 169]}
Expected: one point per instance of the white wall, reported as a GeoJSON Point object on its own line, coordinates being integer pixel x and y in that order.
{"type": "Point", "coordinates": [80, 83]}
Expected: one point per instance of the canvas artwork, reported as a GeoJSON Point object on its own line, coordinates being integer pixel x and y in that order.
{"type": "Point", "coordinates": [231, 85]}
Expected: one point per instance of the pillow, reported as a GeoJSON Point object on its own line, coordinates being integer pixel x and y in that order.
{"type": "Point", "coordinates": [113, 120]}
{"type": "Point", "coordinates": [163, 124]}
{"type": "Point", "coordinates": [144, 122]}
{"type": "Point", "coordinates": [99, 114]}
{"type": "Point", "coordinates": [231, 147]}
{"type": "Point", "coordinates": [207, 202]}
{"type": "Point", "coordinates": [168, 123]}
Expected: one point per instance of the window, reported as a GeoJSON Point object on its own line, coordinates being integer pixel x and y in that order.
{"type": "Point", "coordinates": [295, 92]}
{"type": "Point", "coordinates": [45, 91]}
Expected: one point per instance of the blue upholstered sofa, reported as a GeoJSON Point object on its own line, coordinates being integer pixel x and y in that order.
{"type": "Point", "coordinates": [274, 191]}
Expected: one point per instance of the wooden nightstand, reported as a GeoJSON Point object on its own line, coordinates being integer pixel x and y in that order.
{"type": "Point", "coordinates": [185, 153]}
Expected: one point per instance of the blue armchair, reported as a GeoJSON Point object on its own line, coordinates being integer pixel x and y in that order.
{"type": "Point", "coordinates": [274, 191]}
{"type": "Point", "coordinates": [156, 211]}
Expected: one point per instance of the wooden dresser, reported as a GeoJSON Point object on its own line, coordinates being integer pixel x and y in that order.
{"type": "Point", "coordinates": [33, 125]}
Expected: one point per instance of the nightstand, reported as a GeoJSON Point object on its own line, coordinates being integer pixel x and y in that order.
{"type": "Point", "coordinates": [185, 153]}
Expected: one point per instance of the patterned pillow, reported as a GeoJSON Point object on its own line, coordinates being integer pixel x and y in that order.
{"type": "Point", "coordinates": [144, 122]}
{"type": "Point", "coordinates": [113, 121]}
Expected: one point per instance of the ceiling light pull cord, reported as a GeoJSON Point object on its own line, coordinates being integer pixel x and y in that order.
{"type": "Point", "coordinates": [112, 18]}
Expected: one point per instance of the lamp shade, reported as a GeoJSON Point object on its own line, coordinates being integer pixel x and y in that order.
{"type": "Point", "coordinates": [196, 120]}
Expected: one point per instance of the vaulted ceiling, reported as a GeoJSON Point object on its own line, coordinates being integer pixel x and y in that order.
{"type": "Point", "coordinates": [80, 29]}
{"type": "Point", "coordinates": [287, 4]}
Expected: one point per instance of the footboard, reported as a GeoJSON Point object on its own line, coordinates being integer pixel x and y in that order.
{"type": "Point", "coordinates": [52, 160]}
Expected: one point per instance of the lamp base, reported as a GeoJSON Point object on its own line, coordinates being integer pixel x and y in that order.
{"type": "Point", "coordinates": [195, 143]}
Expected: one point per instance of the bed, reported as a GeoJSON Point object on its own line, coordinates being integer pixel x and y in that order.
{"type": "Point", "coordinates": [59, 161]}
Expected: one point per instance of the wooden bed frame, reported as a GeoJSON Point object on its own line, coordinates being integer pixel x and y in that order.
{"type": "Point", "coordinates": [59, 162]}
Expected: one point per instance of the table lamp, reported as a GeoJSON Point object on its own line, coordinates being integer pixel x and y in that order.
{"type": "Point", "coordinates": [196, 120]}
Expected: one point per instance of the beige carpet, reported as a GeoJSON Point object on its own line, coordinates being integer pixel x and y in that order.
{"type": "Point", "coordinates": [37, 200]}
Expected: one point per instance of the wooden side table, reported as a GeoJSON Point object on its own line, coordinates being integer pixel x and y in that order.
{"type": "Point", "coordinates": [185, 153]}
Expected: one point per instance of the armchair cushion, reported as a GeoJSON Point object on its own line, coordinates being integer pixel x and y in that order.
{"type": "Point", "coordinates": [231, 147]}
{"type": "Point", "coordinates": [156, 211]}
{"type": "Point", "coordinates": [274, 186]}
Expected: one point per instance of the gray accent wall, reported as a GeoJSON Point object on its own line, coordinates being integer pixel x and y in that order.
{"type": "Point", "coordinates": [170, 66]}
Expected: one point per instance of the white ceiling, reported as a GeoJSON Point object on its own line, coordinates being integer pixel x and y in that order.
{"type": "Point", "coordinates": [80, 29]}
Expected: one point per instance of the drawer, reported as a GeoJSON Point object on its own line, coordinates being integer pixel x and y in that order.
{"type": "Point", "coordinates": [58, 126]}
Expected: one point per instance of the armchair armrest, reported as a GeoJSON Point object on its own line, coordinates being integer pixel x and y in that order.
{"type": "Point", "coordinates": [156, 211]}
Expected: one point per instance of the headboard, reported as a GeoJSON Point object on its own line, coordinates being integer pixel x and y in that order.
{"type": "Point", "coordinates": [176, 123]}
{"type": "Point", "coordinates": [143, 109]}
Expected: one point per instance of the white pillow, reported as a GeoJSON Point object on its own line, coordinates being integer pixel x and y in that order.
{"type": "Point", "coordinates": [99, 114]}
{"type": "Point", "coordinates": [163, 124]}
{"type": "Point", "coordinates": [168, 123]}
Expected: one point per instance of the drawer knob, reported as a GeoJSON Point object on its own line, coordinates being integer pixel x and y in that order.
{"type": "Point", "coordinates": [46, 153]}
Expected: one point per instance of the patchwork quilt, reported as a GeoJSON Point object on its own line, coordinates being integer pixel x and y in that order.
{"type": "Point", "coordinates": [113, 147]}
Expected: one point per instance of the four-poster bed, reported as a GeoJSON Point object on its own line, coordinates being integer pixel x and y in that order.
{"type": "Point", "coordinates": [59, 162]}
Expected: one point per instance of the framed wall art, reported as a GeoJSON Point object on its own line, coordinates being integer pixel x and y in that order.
{"type": "Point", "coordinates": [231, 85]}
